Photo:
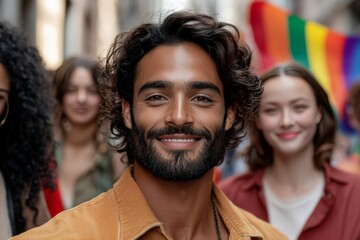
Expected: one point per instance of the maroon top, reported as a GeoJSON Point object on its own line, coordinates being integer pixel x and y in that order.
{"type": "Point", "coordinates": [336, 216]}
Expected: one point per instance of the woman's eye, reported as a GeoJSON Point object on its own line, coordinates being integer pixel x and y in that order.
{"type": "Point", "coordinates": [93, 90]}
{"type": "Point", "coordinates": [300, 108]}
{"type": "Point", "coordinates": [71, 90]}
{"type": "Point", "coordinates": [269, 110]}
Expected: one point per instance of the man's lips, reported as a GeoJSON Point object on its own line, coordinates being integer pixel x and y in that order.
{"type": "Point", "coordinates": [288, 135]}
{"type": "Point", "coordinates": [179, 141]}
{"type": "Point", "coordinates": [179, 137]}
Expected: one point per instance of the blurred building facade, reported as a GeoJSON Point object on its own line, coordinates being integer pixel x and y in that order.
{"type": "Point", "coordinates": [62, 28]}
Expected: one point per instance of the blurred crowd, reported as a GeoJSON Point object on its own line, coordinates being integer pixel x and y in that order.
{"type": "Point", "coordinates": [54, 154]}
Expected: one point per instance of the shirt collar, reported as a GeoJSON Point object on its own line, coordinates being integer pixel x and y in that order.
{"type": "Point", "coordinates": [335, 175]}
{"type": "Point", "coordinates": [136, 217]}
{"type": "Point", "coordinates": [235, 221]}
{"type": "Point", "coordinates": [135, 214]}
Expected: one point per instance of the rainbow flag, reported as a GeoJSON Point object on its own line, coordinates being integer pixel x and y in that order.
{"type": "Point", "coordinates": [333, 58]}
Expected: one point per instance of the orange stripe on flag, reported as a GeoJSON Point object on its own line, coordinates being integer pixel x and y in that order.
{"type": "Point", "coordinates": [276, 32]}
{"type": "Point", "coordinates": [334, 45]}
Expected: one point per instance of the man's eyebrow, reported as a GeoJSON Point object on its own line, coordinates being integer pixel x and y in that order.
{"type": "Point", "coordinates": [204, 85]}
{"type": "Point", "coordinates": [155, 84]}
{"type": "Point", "coordinates": [160, 84]}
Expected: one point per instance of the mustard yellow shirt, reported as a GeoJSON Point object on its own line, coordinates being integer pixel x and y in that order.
{"type": "Point", "coordinates": [122, 213]}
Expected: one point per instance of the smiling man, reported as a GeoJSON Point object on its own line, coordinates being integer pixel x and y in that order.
{"type": "Point", "coordinates": [177, 93]}
{"type": "Point", "coordinates": [178, 115]}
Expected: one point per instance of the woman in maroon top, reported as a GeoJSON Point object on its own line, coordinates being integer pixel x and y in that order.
{"type": "Point", "coordinates": [292, 184]}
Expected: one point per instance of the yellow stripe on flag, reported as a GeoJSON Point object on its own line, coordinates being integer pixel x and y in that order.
{"type": "Point", "coordinates": [315, 41]}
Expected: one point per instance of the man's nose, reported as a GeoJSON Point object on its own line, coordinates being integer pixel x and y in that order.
{"type": "Point", "coordinates": [179, 113]}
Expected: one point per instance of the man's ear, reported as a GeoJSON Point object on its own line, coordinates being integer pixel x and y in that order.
{"type": "Point", "coordinates": [126, 113]}
{"type": "Point", "coordinates": [230, 117]}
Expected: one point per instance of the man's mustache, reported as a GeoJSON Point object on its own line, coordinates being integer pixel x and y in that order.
{"type": "Point", "coordinates": [168, 130]}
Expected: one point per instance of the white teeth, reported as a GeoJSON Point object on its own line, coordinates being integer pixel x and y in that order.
{"type": "Point", "coordinates": [178, 140]}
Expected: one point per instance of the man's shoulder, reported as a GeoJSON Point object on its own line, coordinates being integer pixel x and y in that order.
{"type": "Point", "coordinates": [80, 222]}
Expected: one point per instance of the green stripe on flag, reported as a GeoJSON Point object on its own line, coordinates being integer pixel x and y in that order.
{"type": "Point", "coordinates": [296, 28]}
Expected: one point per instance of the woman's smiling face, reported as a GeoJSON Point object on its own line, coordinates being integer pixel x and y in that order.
{"type": "Point", "coordinates": [288, 115]}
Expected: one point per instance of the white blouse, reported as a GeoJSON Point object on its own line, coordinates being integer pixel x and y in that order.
{"type": "Point", "coordinates": [290, 215]}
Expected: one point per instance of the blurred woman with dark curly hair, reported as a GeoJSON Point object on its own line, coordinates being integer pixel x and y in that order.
{"type": "Point", "coordinates": [25, 135]}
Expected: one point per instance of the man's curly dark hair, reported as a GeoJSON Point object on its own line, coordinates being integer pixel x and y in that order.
{"type": "Point", "coordinates": [220, 40]}
{"type": "Point", "coordinates": [25, 137]}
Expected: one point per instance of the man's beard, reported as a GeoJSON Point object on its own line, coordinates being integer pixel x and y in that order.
{"type": "Point", "coordinates": [176, 165]}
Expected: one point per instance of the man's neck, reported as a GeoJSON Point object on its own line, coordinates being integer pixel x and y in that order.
{"type": "Point", "coordinates": [184, 208]}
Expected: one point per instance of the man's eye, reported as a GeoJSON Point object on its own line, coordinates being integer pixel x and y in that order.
{"type": "Point", "coordinates": [202, 99]}
{"type": "Point", "coordinates": [156, 98]}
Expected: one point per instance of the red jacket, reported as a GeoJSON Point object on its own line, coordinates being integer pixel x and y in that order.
{"type": "Point", "coordinates": [336, 216]}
